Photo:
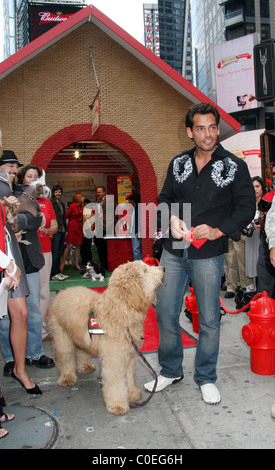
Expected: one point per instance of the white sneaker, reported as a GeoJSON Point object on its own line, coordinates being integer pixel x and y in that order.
{"type": "Point", "coordinates": [59, 277]}
{"type": "Point", "coordinates": [62, 276]}
{"type": "Point", "coordinates": [162, 383]}
{"type": "Point", "coordinates": [210, 394]}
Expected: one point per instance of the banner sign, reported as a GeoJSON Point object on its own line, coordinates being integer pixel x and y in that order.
{"type": "Point", "coordinates": [124, 188]}
{"type": "Point", "coordinates": [234, 71]}
{"type": "Point", "coordinates": [247, 145]}
{"type": "Point", "coordinates": [45, 16]}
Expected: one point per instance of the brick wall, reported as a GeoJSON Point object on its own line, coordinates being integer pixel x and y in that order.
{"type": "Point", "coordinates": [48, 99]}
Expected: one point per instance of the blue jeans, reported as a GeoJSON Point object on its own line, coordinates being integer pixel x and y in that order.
{"type": "Point", "coordinates": [136, 245]}
{"type": "Point", "coordinates": [34, 342]}
{"type": "Point", "coordinates": [58, 241]}
{"type": "Point", "coordinates": [205, 276]}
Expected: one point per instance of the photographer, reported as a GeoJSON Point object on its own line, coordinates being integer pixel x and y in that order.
{"type": "Point", "coordinates": [253, 233]}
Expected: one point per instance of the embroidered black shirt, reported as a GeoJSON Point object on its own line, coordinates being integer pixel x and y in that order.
{"type": "Point", "coordinates": [221, 196]}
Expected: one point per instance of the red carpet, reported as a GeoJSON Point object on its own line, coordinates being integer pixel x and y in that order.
{"type": "Point", "coordinates": [151, 334]}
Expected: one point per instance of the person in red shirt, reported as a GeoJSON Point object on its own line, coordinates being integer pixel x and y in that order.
{"type": "Point", "coordinates": [45, 233]}
{"type": "Point", "coordinates": [75, 229]}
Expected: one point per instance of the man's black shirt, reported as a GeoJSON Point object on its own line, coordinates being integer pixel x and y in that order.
{"type": "Point", "coordinates": [221, 196]}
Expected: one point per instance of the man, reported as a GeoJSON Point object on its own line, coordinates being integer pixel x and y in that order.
{"type": "Point", "coordinates": [100, 241]}
{"type": "Point", "coordinates": [58, 238]}
{"type": "Point", "coordinates": [10, 164]}
{"type": "Point", "coordinates": [218, 186]}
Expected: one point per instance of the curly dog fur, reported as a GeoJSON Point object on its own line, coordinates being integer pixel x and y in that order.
{"type": "Point", "coordinates": [131, 290]}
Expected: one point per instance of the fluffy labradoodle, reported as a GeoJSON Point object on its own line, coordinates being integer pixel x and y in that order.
{"type": "Point", "coordinates": [122, 307]}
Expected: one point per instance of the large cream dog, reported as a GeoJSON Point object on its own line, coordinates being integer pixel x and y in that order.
{"type": "Point", "coordinates": [120, 310]}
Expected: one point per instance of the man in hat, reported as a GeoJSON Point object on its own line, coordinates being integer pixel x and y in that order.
{"type": "Point", "coordinates": [9, 164]}
{"type": "Point", "coordinates": [17, 299]}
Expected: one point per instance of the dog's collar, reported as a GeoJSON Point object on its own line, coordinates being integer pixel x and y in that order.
{"type": "Point", "coordinates": [93, 326]}
{"type": "Point", "coordinates": [29, 196]}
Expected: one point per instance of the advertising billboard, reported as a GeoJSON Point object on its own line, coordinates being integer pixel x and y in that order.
{"type": "Point", "coordinates": [234, 72]}
{"type": "Point", "coordinates": [45, 16]}
{"type": "Point", "coordinates": [247, 146]}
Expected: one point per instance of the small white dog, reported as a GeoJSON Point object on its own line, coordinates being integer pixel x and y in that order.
{"type": "Point", "coordinates": [94, 271]}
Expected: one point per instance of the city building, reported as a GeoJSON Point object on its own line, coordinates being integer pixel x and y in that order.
{"type": "Point", "coordinates": [167, 32]}
{"type": "Point", "coordinates": [242, 17]}
{"type": "Point", "coordinates": [24, 20]}
{"type": "Point", "coordinates": [207, 21]}
{"type": "Point", "coordinates": [215, 22]}
{"type": "Point", "coordinates": [151, 27]}
{"type": "Point", "coordinates": [224, 34]}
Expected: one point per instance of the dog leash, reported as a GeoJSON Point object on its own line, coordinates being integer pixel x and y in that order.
{"type": "Point", "coordinates": [81, 269]}
{"type": "Point", "coordinates": [141, 355]}
{"type": "Point", "coordinates": [94, 329]}
{"type": "Point", "coordinates": [256, 296]}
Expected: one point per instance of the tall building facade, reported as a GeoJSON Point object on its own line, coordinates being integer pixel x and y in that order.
{"type": "Point", "coordinates": [175, 35]}
{"type": "Point", "coordinates": [151, 27]}
{"type": "Point", "coordinates": [9, 33]}
{"type": "Point", "coordinates": [215, 22]}
{"type": "Point", "coordinates": [244, 17]}
{"type": "Point", "coordinates": [168, 33]}
{"type": "Point", "coordinates": [207, 30]}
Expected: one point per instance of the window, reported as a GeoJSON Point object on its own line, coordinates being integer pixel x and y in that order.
{"type": "Point", "coordinates": [264, 8]}
{"type": "Point", "coordinates": [250, 28]}
{"type": "Point", "coordinates": [269, 121]}
{"type": "Point", "coordinates": [249, 7]}
{"type": "Point", "coordinates": [248, 122]}
{"type": "Point", "coordinates": [265, 31]}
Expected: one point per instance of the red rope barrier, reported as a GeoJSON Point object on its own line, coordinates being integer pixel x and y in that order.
{"type": "Point", "coordinates": [241, 309]}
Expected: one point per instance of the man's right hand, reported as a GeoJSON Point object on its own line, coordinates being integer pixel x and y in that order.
{"type": "Point", "coordinates": [178, 228]}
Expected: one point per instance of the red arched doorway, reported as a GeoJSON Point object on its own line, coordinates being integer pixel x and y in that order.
{"type": "Point", "coordinates": [116, 137]}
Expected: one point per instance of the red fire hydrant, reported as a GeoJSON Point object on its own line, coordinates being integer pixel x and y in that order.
{"type": "Point", "coordinates": [191, 305]}
{"type": "Point", "coordinates": [259, 334]}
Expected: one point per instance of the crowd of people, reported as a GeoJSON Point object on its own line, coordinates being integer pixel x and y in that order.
{"type": "Point", "coordinates": [246, 262]}
{"type": "Point", "coordinates": [232, 214]}
{"type": "Point", "coordinates": [34, 245]}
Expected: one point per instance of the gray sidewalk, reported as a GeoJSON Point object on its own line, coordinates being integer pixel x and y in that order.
{"type": "Point", "coordinates": [175, 419]}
